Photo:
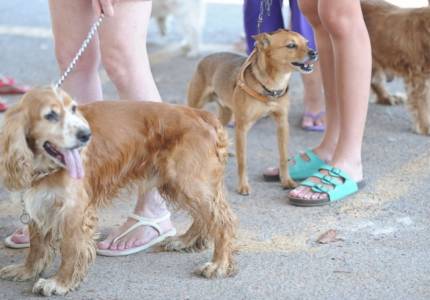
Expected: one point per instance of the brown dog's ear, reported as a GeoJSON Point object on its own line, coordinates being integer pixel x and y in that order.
{"type": "Point", "coordinates": [262, 40]}
{"type": "Point", "coordinates": [16, 157]}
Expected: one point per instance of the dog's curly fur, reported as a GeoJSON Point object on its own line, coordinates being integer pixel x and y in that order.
{"type": "Point", "coordinates": [179, 150]}
{"type": "Point", "coordinates": [400, 39]}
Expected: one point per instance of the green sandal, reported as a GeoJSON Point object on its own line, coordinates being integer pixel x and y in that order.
{"type": "Point", "coordinates": [300, 170]}
{"type": "Point", "coordinates": [341, 184]}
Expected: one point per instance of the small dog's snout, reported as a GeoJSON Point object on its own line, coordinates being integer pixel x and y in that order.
{"type": "Point", "coordinates": [313, 54]}
{"type": "Point", "coordinates": [83, 135]}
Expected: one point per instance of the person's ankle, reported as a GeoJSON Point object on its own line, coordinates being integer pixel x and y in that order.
{"type": "Point", "coordinates": [353, 168]}
{"type": "Point", "coordinates": [324, 153]}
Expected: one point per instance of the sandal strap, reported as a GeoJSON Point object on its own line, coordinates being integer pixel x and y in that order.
{"type": "Point", "coordinates": [341, 182]}
{"type": "Point", "coordinates": [314, 117]}
{"type": "Point", "coordinates": [328, 179]}
{"type": "Point", "coordinates": [335, 172]}
{"type": "Point", "coordinates": [142, 221]}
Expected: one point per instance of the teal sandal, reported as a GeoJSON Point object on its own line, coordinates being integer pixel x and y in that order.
{"type": "Point", "coordinates": [336, 184]}
{"type": "Point", "coordinates": [301, 169]}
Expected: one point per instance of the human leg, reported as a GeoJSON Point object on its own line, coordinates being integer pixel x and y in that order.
{"type": "Point", "coordinates": [313, 118]}
{"type": "Point", "coordinates": [348, 79]}
{"type": "Point", "coordinates": [84, 82]}
{"type": "Point", "coordinates": [125, 58]}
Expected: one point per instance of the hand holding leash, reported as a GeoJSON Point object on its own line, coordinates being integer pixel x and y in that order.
{"type": "Point", "coordinates": [104, 7]}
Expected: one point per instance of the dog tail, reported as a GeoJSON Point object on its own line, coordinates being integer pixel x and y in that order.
{"type": "Point", "coordinates": [199, 91]}
{"type": "Point", "coordinates": [221, 136]}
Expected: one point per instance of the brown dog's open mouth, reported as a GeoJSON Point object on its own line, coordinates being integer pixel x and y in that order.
{"type": "Point", "coordinates": [51, 150]}
{"type": "Point", "coordinates": [304, 67]}
{"type": "Point", "coordinates": [69, 158]}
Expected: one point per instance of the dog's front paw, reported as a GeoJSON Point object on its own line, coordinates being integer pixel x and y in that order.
{"type": "Point", "coordinates": [216, 270]}
{"type": "Point", "coordinates": [244, 189]}
{"type": "Point", "coordinates": [17, 272]}
{"type": "Point", "coordinates": [49, 287]}
{"type": "Point", "coordinates": [288, 183]}
{"type": "Point", "coordinates": [422, 129]}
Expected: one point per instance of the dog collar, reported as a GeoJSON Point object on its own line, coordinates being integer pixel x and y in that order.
{"type": "Point", "coordinates": [268, 95]}
{"type": "Point", "coordinates": [275, 93]}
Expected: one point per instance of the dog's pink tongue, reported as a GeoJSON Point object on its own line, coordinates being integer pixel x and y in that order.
{"type": "Point", "coordinates": [74, 163]}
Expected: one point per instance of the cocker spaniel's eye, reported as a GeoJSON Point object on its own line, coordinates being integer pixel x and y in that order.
{"type": "Point", "coordinates": [74, 107]}
{"type": "Point", "coordinates": [292, 46]}
{"type": "Point", "coordinates": [52, 117]}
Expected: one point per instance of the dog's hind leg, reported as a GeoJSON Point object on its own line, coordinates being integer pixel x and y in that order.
{"type": "Point", "coordinates": [198, 93]}
{"type": "Point", "coordinates": [195, 239]}
{"type": "Point", "coordinates": [224, 115]}
{"type": "Point", "coordinates": [39, 258]}
{"type": "Point", "coordinates": [162, 25]}
{"type": "Point", "coordinates": [419, 104]}
{"type": "Point", "coordinates": [382, 95]}
{"type": "Point", "coordinates": [221, 224]}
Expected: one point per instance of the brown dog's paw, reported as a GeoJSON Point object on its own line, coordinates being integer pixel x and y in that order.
{"type": "Point", "coordinates": [176, 244]}
{"type": "Point", "coordinates": [49, 287]}
{"type": "Point", "coordinates": [215, 270]}
{"type": "Point", "coordinates": [244, 189]}
{"type": "Point", "coordinates": [397, 98]}
{"type": "Point", "coordinates": [16, 273]}
{"type": "Point", "coordinates": [422, 129]}
{"type": "Point", "coordinates": [288, 183]}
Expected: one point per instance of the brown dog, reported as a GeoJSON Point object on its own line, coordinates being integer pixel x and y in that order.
{"type": "Point", "coordinates": [253, 87]}
{"type": "Point", "coordinates": [66, 161]}
{"type": "Point", "coordinates": [400, 39]}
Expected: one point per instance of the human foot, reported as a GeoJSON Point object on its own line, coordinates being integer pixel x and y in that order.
{"type": "Point", "coordinates": [136, 234]}
{"type": "Point", "coordinates": [300, 167]}
{"type": "Point", "coordinates": [328, 184]}
{"type": "Point", "coordinates": [19, 239]}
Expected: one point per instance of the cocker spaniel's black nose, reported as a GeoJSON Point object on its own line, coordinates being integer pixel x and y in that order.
{"type": "Point", "coordinates": [83, 135]}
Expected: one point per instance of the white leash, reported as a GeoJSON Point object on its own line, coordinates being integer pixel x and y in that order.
{"type": "Point", "coordinates": [84, 46]}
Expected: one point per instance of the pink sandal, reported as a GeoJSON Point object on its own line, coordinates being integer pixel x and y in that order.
{"type": "Point", "coordinates": [315, 118]}
{"type": "Point", "coordinates": [3, 107]}
{"type": "Point", "coordinates": [8, 86]}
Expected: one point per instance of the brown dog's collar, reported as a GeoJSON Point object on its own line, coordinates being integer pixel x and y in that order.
{"type": "Point", "coordinates": [269, 94]}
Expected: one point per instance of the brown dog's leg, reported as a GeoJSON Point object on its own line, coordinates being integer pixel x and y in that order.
{"type": "Point", "coordinates": [221, 226]}
{"type": "Point", "coordinates": [197, 94]}
{"type": "Point", "coordinates": [283, 134]}
{"type": "Point", "coordinates": [194, 240]}
{"type": "Point", "coordinates": [419, 104]}
{"type": "Point", "coordinates": [40, 256]}
{"type": "Point", "coordinates": [225, 115]}
{"type": "Point", "coordinates": [382, 95]}
{"type": "Point", "coordinates": [242, 129]}
{"type": "Point", "coordinates": [77, 253]}
{"type": "Point", "coordinates": [213, 220]}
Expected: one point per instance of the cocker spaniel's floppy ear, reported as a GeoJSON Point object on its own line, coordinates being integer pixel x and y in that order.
{"type": "Point", "coordinates": [15, 156]}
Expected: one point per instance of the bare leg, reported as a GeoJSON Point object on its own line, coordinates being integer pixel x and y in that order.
{"type": "Point", "coordinates": [125, 58]}
{"type": "Point", "coordinates": [313, 99]}
{"type": "Point", "coordinates": [84, 82]}
{"type": "Point", "coordinates": [341, 34]}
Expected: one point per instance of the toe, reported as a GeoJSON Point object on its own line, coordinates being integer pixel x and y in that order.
{"type": "Point", "coordinates": [121, 245]}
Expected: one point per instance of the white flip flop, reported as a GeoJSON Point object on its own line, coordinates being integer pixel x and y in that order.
{"type": "Point", "coordinates": [11, 244]}
{"type": "Point", "coordinates": [141, 221]}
